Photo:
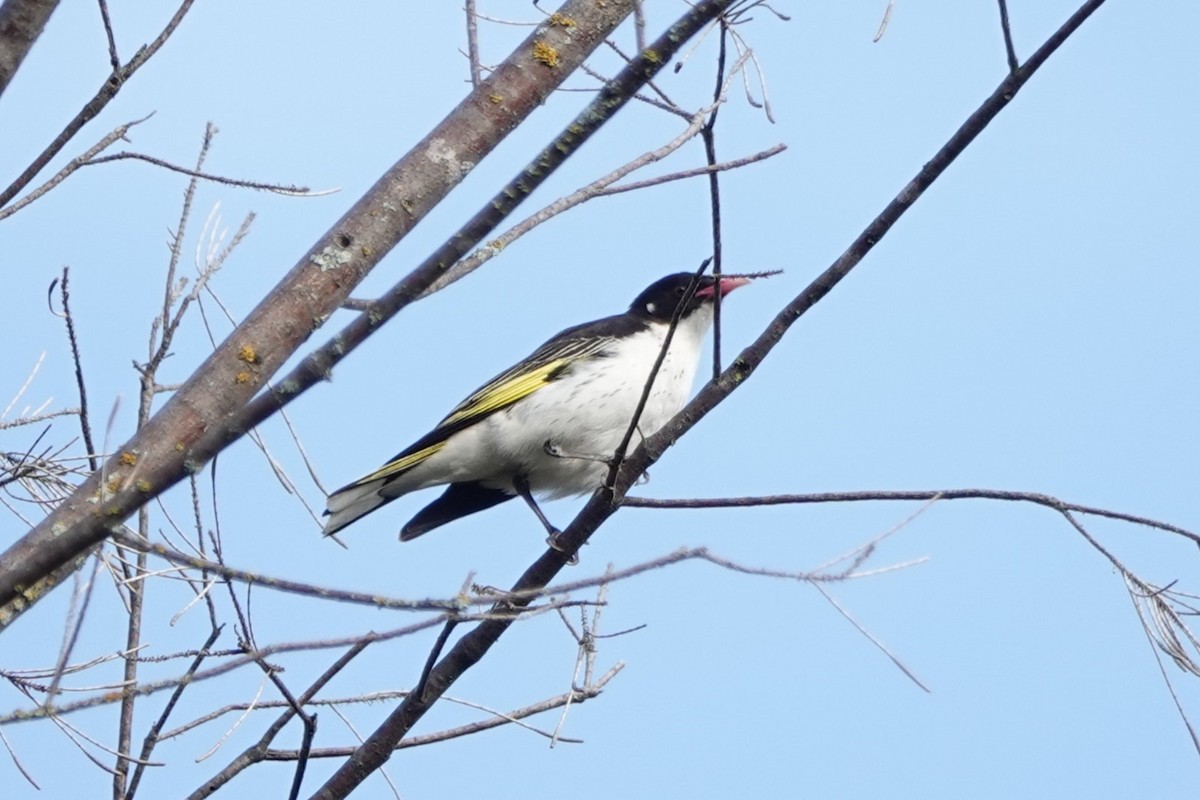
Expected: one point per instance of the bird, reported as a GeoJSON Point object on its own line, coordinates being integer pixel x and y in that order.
{"type": "Point", "coordinates": [550, 425]}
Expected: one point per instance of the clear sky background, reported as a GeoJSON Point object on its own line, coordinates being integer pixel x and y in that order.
{"type": "Point", "coordinates": [1031, 324]}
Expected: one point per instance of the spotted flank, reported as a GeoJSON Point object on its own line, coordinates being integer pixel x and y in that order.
{"type": "Point", "coordinates": [546, 427]}
{"type": "Point", "coordinates": [547, 364]}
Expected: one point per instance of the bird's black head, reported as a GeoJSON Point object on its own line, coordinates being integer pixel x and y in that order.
{"type": "Point", "coordinates": [658, 301]}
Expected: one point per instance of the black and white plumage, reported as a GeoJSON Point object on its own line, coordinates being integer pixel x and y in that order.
{"type": "Point", "coordinates": [549, 425]}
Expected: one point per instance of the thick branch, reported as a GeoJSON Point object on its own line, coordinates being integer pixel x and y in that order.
{"type": "Point", "coordinates": [167, 449]}
{"type": "Point", "coordinates": [21, 23]}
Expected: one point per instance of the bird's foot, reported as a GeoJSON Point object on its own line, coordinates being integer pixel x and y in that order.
{"type": "Point", "coordinates": [553, 541]}
{"type": "Point", "coordinates": [554, 451]}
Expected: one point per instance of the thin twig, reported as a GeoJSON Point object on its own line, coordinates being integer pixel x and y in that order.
{"type": "Point", "coordinates": [692, 173]}
{"type": "Point", "coordinates": [1009, 50]}
{"type": "Point", "coordinates": [125, 539]}
{"type": "Point", "coordinates": [107, 91]}
{"type": "Point", "coordinates": [80, 600]}
{"type": "Point", "coordinates": [1036, 498]}
{"type": "Point", "coordinates": [623, 447]}
{"type": "Point", "coordinates": [473, 43]}
{"type": "Point", "coordinates": [709, 137]}
{"type": "Point", "coordinates": [16, 423]}
{"type": "Point", "coordinates": [883, 23]}
{"type": "Point", "coordinates": [576, 696]}
{"type": "Point", "coordinates": [152, 736]}
{"type": "Point", "coordinates": [241, 183]}
{"type": "Point", "coordinates": [113, 59]}
{"type": "Point", "coordinates": [36, 365]}
{"type": "Point", "coordinates": [71, 166]}
{"type": "Point", "coordinates": [17, 762]}
{"type": "Point", "coordinates": [846, 615]}
{"type": "Point", "coordinates": [80, 383]}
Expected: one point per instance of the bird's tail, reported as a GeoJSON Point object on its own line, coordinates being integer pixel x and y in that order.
{"type": "Point", "coordinates": [351, 502]}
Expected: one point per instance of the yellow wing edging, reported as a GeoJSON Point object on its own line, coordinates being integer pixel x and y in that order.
{"type": "Point", "coordinates": [504, 393]}
{"type": "Point", "coordinates": [401, 464]}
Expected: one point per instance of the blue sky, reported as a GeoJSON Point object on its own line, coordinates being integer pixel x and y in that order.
{"type": "Point", "coordinates": [1029, 325]}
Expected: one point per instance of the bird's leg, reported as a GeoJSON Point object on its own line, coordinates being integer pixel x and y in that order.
{"type": "Point", "coordinates": [554, 451]}
{"type": "Point", "coordinates": [521, 484]}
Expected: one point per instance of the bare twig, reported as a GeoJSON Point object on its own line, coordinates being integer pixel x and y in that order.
{"type": "Point", "coordinates": [846, 615]}
{"type": "Point", "coordinates": [618, 456]}
{"type": "Point", "coordinates": [113, 59]}
{"type": "Point", "coordinates": [473, 43]}
{"type": "Point", "coordinates": [108, 90]}
{"type": "Point", "coordinates": [256, 752]}
{"type": "Point", "coordinates": [708, 135]}
{"type": "Point", "coordinates": [575, 695]}
{"type": "Point", "coordinates": [692, 173]}
{"type": "Point", "coordinates": [125, 539]}
{"type": "Point", "coordinates": [80, 383]}
{"type": "Point", "coordinates": [883, 23]}
{"type": "Point", "coordinates": [80, 600]}
{"type": "Point", "coordinates": [153, 735]}
{"type": "Point", "coordinates": [240, 183]}
{"type": "Point", "coordinates": [1009, 50]}
{"type": "Point", "coordinates": [33, 372]}
{"type": "Point", "coordinates": [16, 423]}
{"type": "Point", "coordinates": [639, 26]}
{"type": "Point", "coordinates": [234, 663]}
{"type": "Point", "coordinates": [17, 762]}
{"type": "Point", "coordinates": [1036, 498]}
{"type": "Point", "coordinates": [597, 188]}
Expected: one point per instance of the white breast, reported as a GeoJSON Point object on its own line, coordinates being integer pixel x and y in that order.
{"type": "Point", "coordinates": [585, 414]}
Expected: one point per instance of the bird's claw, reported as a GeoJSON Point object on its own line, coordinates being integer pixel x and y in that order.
{"type": "Point", "coordinates": [552, 541]}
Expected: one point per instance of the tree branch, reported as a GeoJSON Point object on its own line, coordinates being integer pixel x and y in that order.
{"type": "Point", "coordinates": [107, 91]}
{"type": "Point", "coordinates": [21, 23]}
{"type": "Point", "coordinates": [178, 440]}
{"type": "Point", "coordinates": [468, 650]}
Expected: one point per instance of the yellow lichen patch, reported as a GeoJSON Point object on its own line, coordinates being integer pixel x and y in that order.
{"type": "Point", "coordinates": [367, 251]}
{"type": "Point", "coordinates": [113, 484]}
{"type": "Point", "coordinates": [496, 99]}
{"type": "Point", "coordinates": [246, 353]}
{"type": "Point", "coordinates": [561, 20]}
{"type": "Point", "coordinates": [128, 458]}
{"type": "Point", "coordinates": [242, 377]}
{"type": "Point", "coordinates": [545, 54]}
{"type": "Point", "coordinates": [179, 447]}
{"type": "Point", "coordinates": [651, 55]}
{"type": "Point", "coordinates": [143, 486]}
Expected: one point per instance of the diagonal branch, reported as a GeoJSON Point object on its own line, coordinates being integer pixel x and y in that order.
{"type": "Point", "coordinates": [178, 440]}
{"type": "Point", "coordinates": [21, 23]}
{"type": "Point", "coordinates": [316, 366]}
{"type": "Point", "coordinates": [468, 650]}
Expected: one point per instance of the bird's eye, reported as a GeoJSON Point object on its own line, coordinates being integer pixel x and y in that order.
{"type": "Point", "coordinates": [679, 291]}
